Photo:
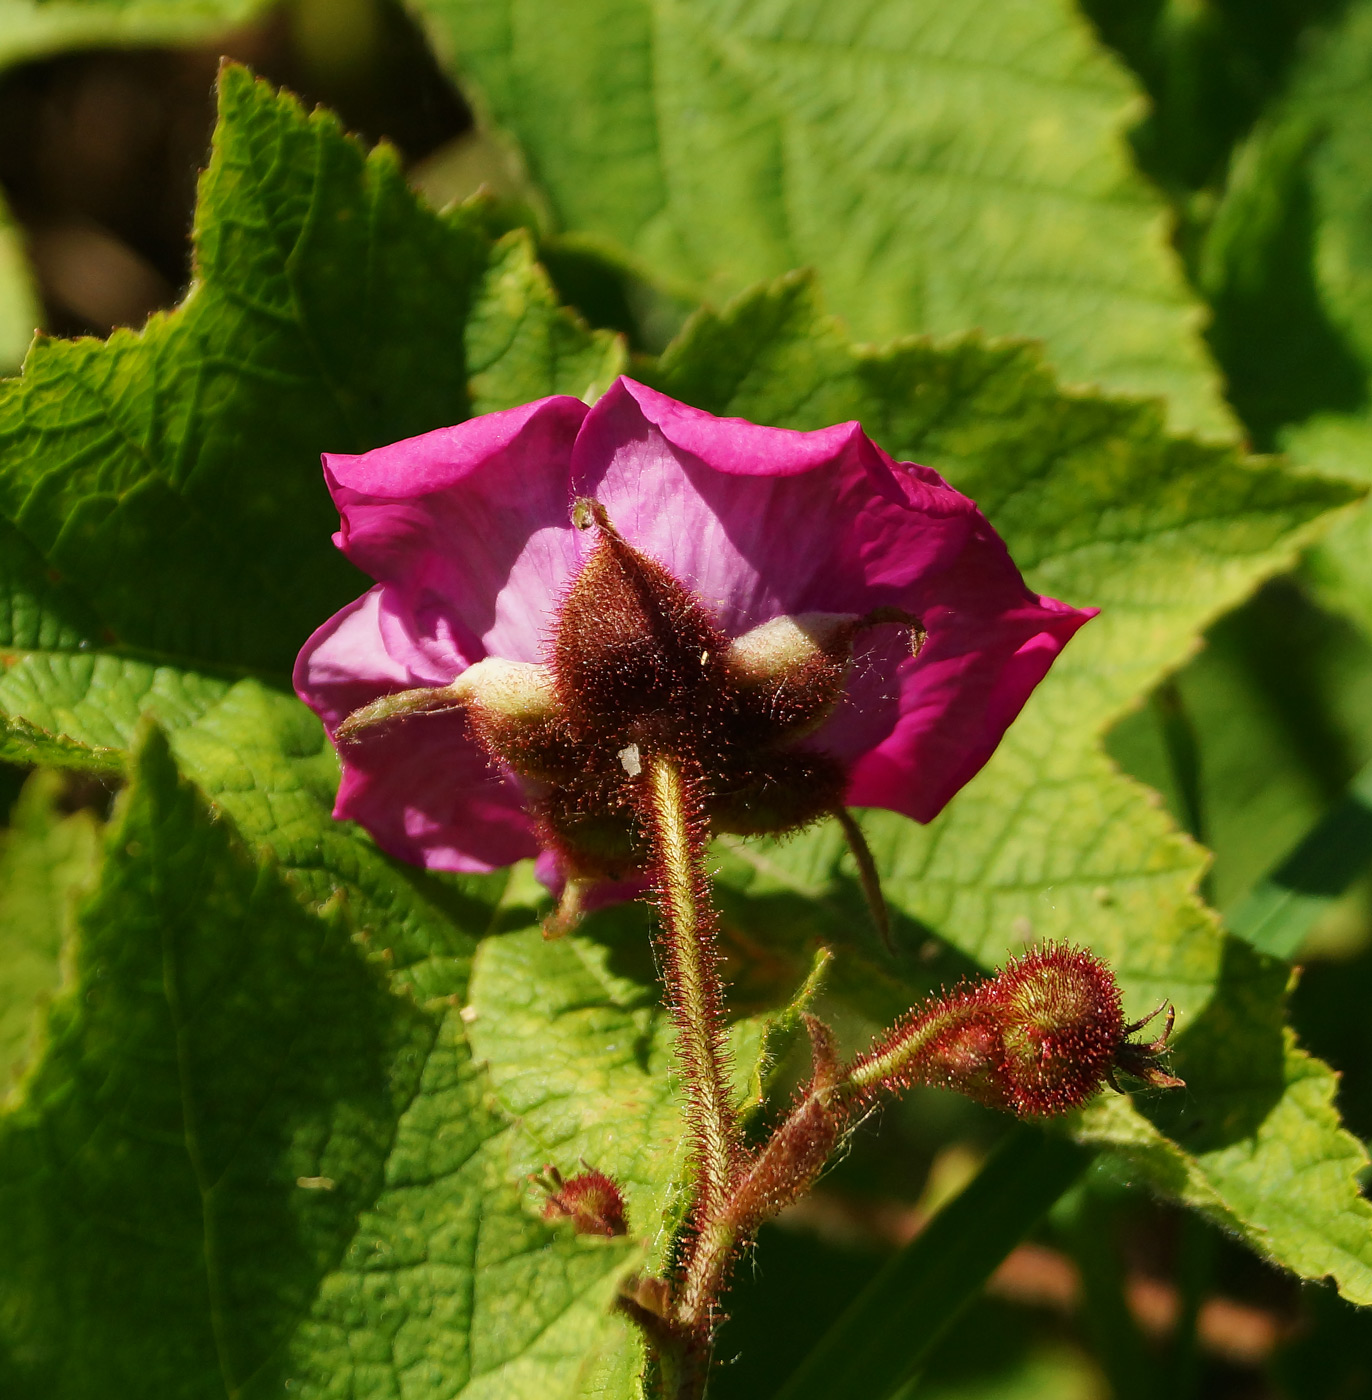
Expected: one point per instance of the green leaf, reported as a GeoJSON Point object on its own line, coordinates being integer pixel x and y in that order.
{"type": "Point", "coordinates": [243, 1160]}
{"type": "Point", "coordinates": [1339, 568]}
{"type": "Point", "coordinates": [1255, 1142]}
{"type": "Point", "coordinates": [1099, 506]}
{"type": "Point", "coordinates": [1287, 266]}
{"type": "Point", "coordinates": [940, 168]}
{"type": "Point", "coordinates": [297, 336]}
{"type": "Point", "coordinates": [265, 761]}
{"type": "Point", "coordinates": [578, 1045]}
{"type": "Point", "coordinates": [1209, 71]}
{"type": "Point", "coordinates": [1277, 731]}
{"type": "Point", "coordinates": [47, 857]}
{"type": "Point", "coordinates": [1280, 910]}
{"type": "Point", "coordinates": [168, 481]}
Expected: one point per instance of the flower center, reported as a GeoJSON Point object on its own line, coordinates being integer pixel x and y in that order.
{"type": "Point", "coordinates": [639, 669]}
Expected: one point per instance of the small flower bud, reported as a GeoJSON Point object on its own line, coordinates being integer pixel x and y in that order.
{"type": "Point", "coordinates": [590, 1200]}
{"type": "Point", "coordinates": [1038, 1039]}
{"type": "Point", "coordinates": [513, 710]}
{"type": "Point", "coordinates": [516, 691]}
{"type": "Point", "coordinates": [1062, 1026]}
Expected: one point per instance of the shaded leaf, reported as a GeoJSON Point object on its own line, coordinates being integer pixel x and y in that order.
{"type": "Point", "coordinates": [1288, 266]}
{"type": "Point", "coordinates": [1255, 1142]}
{"type": "Point", "coordinates": [328, 1181]}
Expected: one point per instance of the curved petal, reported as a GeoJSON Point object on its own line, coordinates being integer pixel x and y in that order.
{"type": "Point", "coordinates": [991, 641]}
{"type": "Point", "coordinates": [470, 525]}
{"type": "Point", "coordinates": [422, 788]}
{"type": "Point", "coordinates": [758, 521]}
{"type": "Point", "coordinates": [428, 795]}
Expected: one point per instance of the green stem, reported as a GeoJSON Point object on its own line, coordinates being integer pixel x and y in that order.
{"type": "Point", "coordinates": [894, 1059]}
{"type": "Point", "coordinates": [868, 875]}
{"type": "Point", "coordinates": [695, 994]}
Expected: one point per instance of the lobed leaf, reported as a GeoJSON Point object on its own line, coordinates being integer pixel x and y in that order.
{"type": "Point", "coordinates": [1255, 1142]}
{"type": "Point", "coordinates": [941, 169]}
{"type": "Point", "coordinates": [332, 1204]}
{"type": "Point", "coordinates": [168, 480]}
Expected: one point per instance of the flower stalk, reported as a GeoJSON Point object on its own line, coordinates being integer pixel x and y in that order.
{"type": "Point", "coordinates": [672, 813]}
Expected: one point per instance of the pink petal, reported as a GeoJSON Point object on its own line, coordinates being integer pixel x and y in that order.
{"type": "Point", "coordinates": [420, 786]}
{"type": "Point", "coordinates": [470, 526]}
{"type": "Point", "coordinates": [468, 531]}
{"type": "Point", "coordinates": [751, 518]}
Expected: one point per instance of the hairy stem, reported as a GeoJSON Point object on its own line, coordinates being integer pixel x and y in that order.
{"type": "Point", "coordinates": [901, 1054]}
{"type": "Point", "coordinates": [695, 995]}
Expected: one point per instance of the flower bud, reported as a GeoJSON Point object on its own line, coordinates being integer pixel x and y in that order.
{"type": "Point", "coordinates": [513, 710]}
{"type": "Point", "coordinates": [517, 692]}
{"type": "Point", "coordinates": [590, 1200]}
{"type": "Point", "coordinates": [1038, 1039]}
{"type": "Point", "coordinates": [1062, 1026]}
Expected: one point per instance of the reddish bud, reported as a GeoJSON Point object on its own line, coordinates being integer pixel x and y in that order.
{"type": "Point", "coordinates": [1038, 1039]}
{"type": "Point", "coordinates": [590, 1200]}
{"type": "Point", "coordinates": [1062, 1026]}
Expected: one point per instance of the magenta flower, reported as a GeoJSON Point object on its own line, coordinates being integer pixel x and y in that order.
{"type": "Point", "coordinates": [469, 533]}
